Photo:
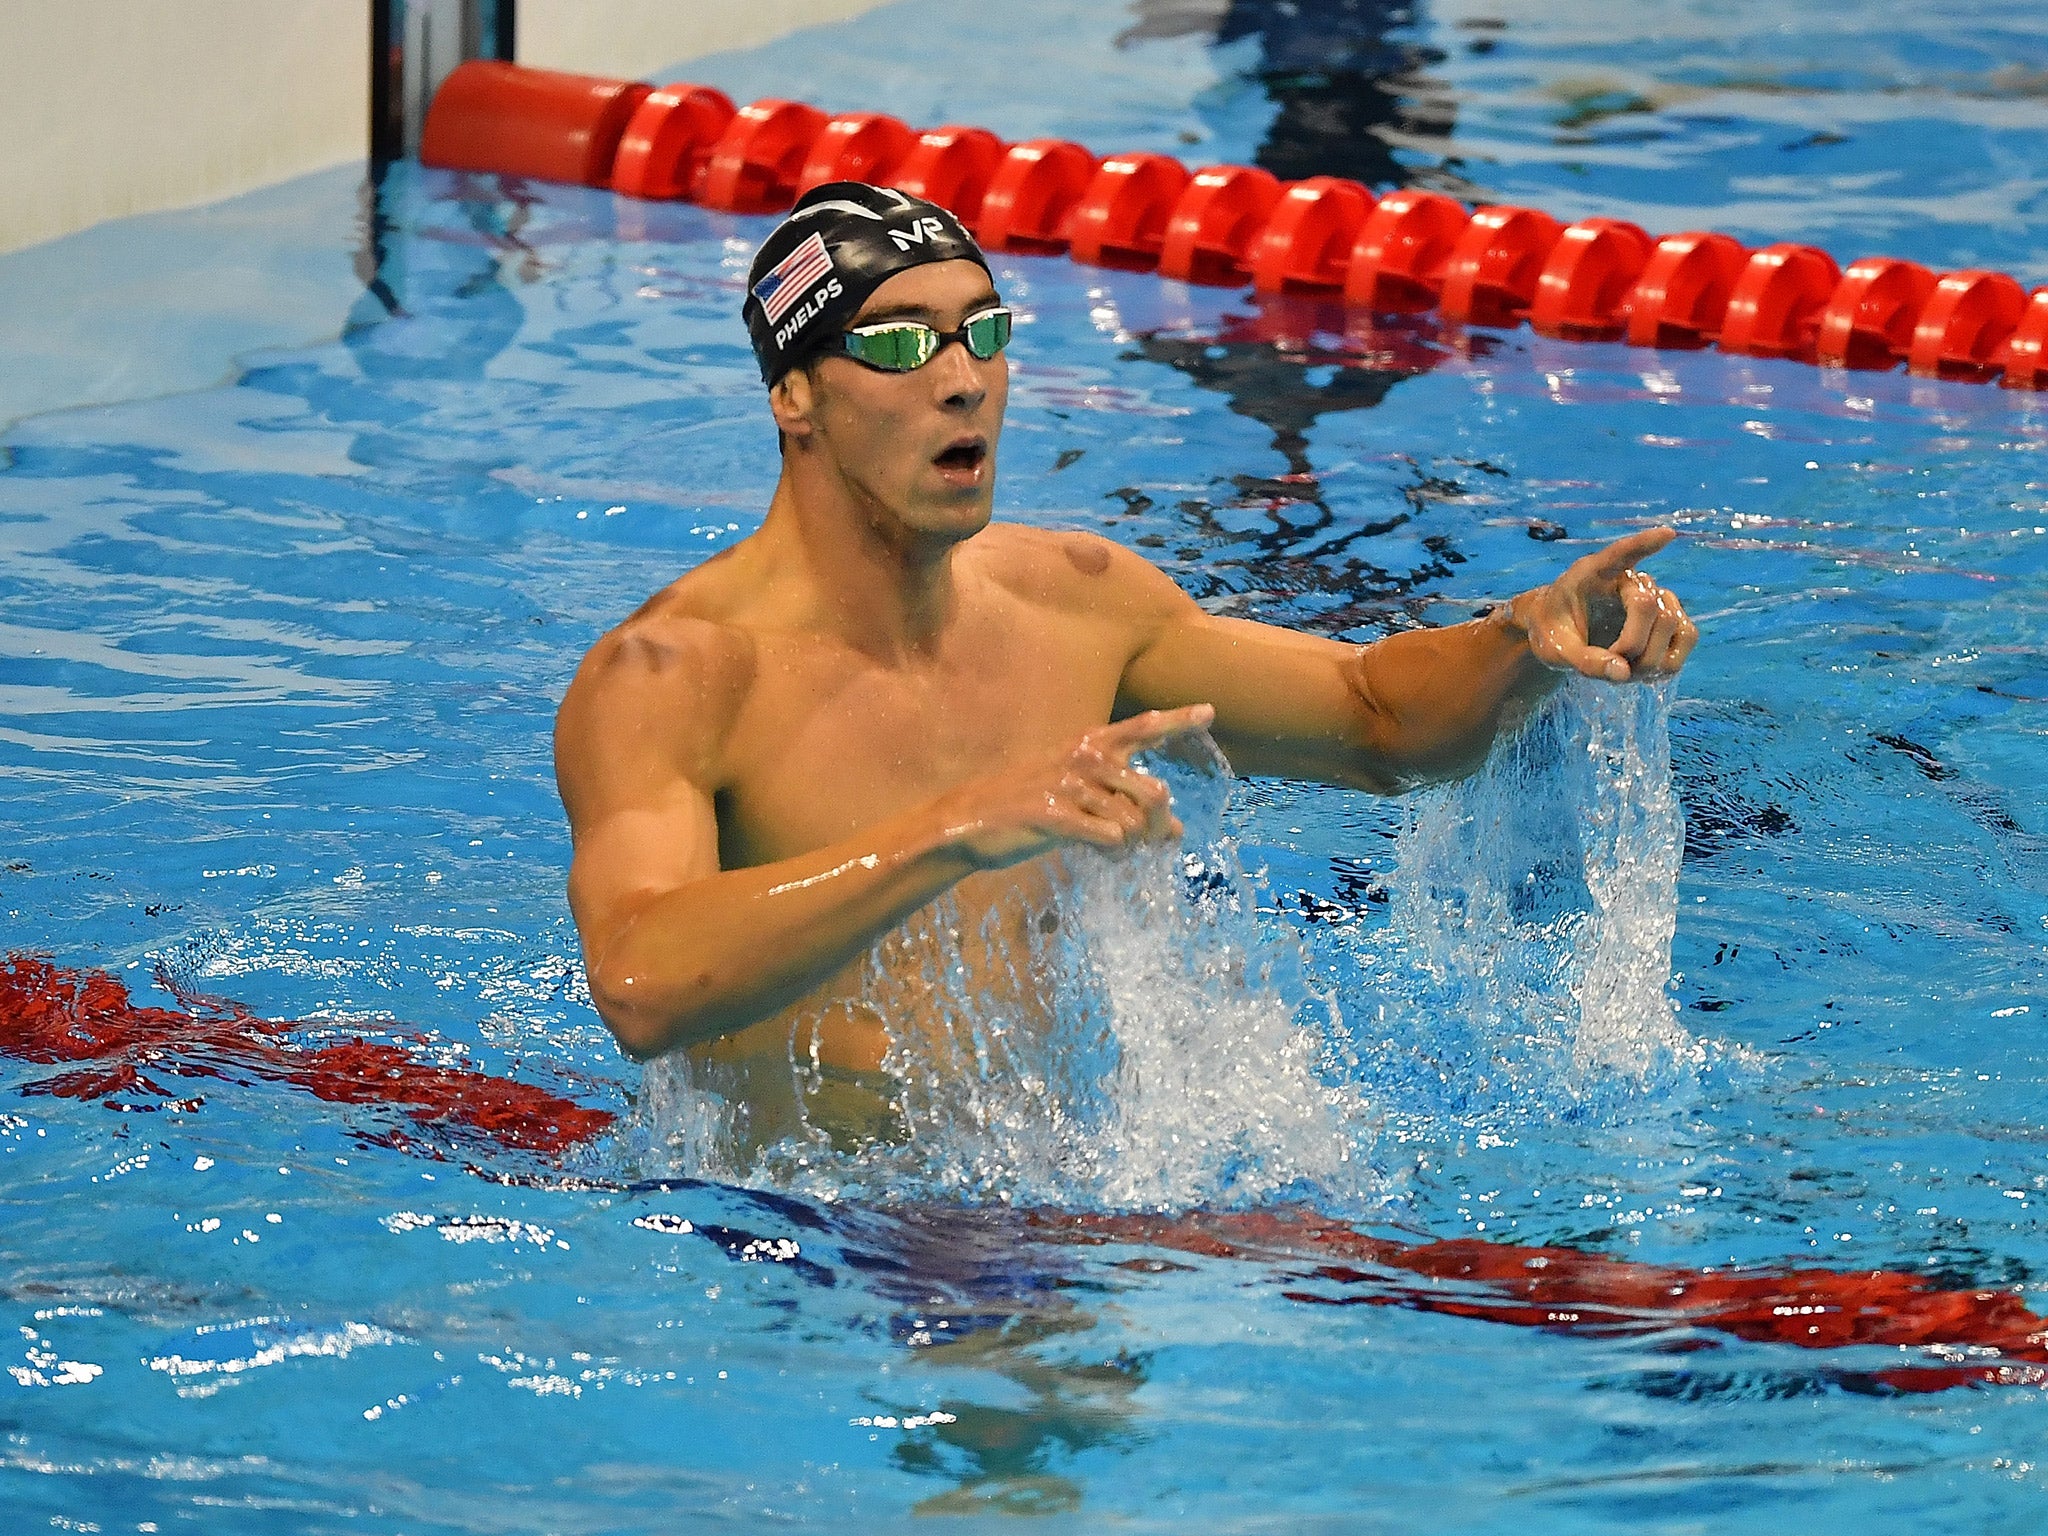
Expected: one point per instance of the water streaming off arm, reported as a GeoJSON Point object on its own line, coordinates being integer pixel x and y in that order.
{"type": "Point", "coordinates": [1527, 952]}
{"type": "Point", "coordinates": [1131, 1033]}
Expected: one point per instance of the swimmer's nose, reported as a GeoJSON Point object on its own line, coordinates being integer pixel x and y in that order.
{"type": "Point", "coordinates": [960, 377]}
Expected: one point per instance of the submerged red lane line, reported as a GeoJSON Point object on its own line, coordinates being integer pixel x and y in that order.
{"type": "Point", "coordinates": [114, 1051]}
{"type": "Point", "coordinates": [117, 1050]}
{"type": "Point", "coordinates": [1568, 1290]}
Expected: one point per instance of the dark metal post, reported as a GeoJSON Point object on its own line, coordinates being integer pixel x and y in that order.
{"type": "Point", "coordinates": [413, 46]}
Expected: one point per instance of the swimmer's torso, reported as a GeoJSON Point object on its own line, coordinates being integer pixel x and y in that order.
{"type": "Point", "coordinates": [828, 1065]}
{"type": "Point", "coordinates": [819, 740]}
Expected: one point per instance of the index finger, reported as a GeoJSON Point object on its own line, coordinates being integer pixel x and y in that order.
{"type": "Point", "coordinates": [1625, 552]}
{"type": "Point", "coordinates": [1154, 726]}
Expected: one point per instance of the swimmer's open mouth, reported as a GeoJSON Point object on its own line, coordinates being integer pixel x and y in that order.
{"type": "Point", "coordinates": [964, 457]}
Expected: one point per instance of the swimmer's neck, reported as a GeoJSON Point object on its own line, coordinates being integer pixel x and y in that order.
{"type": "Point", "coordinates": [856, 570]}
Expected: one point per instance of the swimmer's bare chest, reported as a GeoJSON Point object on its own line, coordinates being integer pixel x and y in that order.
{"type": "Point", "coordinates": [830, 741]}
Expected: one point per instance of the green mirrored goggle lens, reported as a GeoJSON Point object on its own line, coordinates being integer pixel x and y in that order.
{"type": "Point", "coordinates": [987, 333]}
{"type": "Point", "coordinates": [897, 346]}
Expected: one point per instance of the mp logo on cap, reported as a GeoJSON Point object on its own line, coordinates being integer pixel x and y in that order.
{"type": "Point", "coordinates": [918, 233]}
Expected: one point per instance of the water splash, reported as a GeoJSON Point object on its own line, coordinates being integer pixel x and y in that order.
{"type": "Point", "coordinates": [1532, 908]}
{"type": "Point", "coordinates": [1130, 1035]}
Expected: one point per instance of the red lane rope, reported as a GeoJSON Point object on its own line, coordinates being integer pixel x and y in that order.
{"type": "Point", "coordinates": [1566, 1290]}
{"type": "Point", "coordinates": [1593, 280]}
{"type": "Point", "coordinates": [117, 1052]}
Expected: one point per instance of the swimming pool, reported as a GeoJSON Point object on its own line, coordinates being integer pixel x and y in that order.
{"type": "Point", "coordinates": [281, 662]}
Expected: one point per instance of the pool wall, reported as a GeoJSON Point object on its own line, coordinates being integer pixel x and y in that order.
{"type": "Point", "coordinates": [118, 107]}
{"type": "Point", "coordinates": [185, 183]}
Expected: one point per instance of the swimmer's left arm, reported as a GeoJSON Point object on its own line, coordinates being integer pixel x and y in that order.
{"type": "Point", "coordinates": [1414, 708]}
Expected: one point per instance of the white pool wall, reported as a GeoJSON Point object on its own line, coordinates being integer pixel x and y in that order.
{"type": "Point", "coordinates": [116, 107]}
{"type": "Point", "coordinates": [182, 180]}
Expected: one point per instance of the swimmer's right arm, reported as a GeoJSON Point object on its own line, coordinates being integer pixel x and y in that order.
{"type": "Point", "coordinates": [679, 951]}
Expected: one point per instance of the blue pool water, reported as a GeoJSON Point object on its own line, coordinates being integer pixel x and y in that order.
{"type": "Point", "coordinates": [278, 664]}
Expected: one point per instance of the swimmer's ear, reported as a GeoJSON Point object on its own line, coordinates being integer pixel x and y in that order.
{"type": "Point", "coordinates": [792, 401]}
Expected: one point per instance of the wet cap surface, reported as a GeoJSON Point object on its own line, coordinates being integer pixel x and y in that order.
{"type": "Point", "coordinates": [840, 243]}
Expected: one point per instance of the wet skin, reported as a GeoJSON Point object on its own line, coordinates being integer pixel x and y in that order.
{"type": "Point", "coordinates": [882, 696]}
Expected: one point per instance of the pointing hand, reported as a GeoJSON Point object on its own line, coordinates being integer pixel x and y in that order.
{"type": "Point", "coordinates": [1087, 793]}
{"type": "Point", "coordinates": [1606, 619]}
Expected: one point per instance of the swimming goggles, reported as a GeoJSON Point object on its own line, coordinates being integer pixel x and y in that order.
{"type": "Point", "coordinates": [897, 346]}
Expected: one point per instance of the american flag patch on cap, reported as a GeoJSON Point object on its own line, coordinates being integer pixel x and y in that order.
{"type": "Point", "coordinates": [789, 279]}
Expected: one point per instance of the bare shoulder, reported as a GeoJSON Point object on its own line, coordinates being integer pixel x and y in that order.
{"type": "Point", "coordinates": [1080, 573]}
{"type": "Point", "coordinates": [655, 697]}
{"type": "Point", "coordinates": [660, 651]}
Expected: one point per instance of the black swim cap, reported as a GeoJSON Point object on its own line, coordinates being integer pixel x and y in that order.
{"type": "Point", "coordinates": [840, 243]}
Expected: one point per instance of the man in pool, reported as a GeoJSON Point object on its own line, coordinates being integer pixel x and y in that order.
{"type": "Point", "coordinates": [883, 696]}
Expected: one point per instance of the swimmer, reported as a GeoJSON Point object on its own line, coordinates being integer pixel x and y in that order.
{"type": "Point", "coordinates": [883, 695]}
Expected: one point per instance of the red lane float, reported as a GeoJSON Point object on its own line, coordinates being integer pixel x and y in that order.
{"type": "Point", "coordinates": [668, 141]}
{"type": "Point", "coordinates": [1870, 319]}
{"type": "Point", "coordinates": [856, 146]}
{"type": "Point", "coordinates": [952, 167]}
{"type": "Point", "coordinates": [1212, 227]}
{"type": "Point", "coordinates": [1490, 278]}
{"type": "Point", "coordinates": [1775, 307]}
{"type": "Point", "coordinates": [1028, 199]}
{"type": "Point", "coordinates": [755, 165]}
{"type": "Point", "coordinates": [2025, 357]}
{"type": "Point", "coordinates": [1583, 290]}
{"type": "Point", "coordinates": [59, 1016]}
{"type": "Point", "coordinates": [1306, 244]}
{"type": "Point", "coordinates": [1397, 264]}
{"type": "Point", "coordinates": [1681, 299]}
{"type": "Point", "coordinates": [1600, 279]}
{"type": "Point", "coordinates": [1968, 318]}
{"type": "Point", "coordinates": [1121, 218]}
{"type": "Point", "coordinates": [493, 116]}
